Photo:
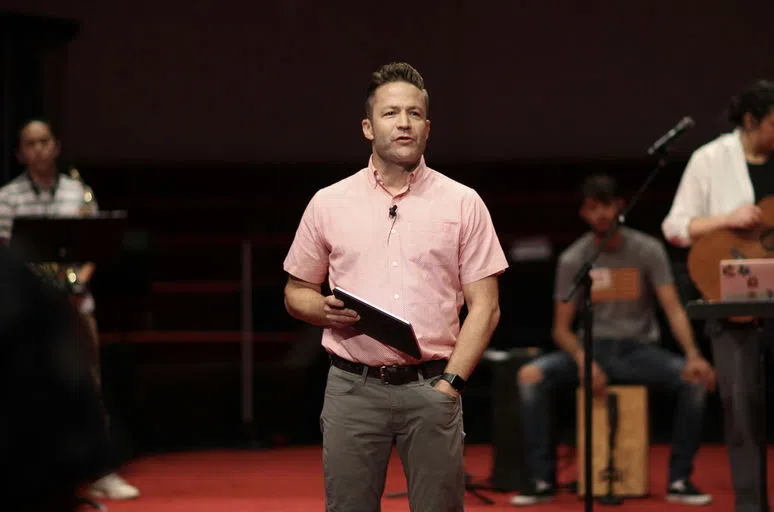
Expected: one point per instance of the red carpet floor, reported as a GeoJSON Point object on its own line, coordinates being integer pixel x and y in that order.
{"type": "Point", "coordinates": [290, 480]}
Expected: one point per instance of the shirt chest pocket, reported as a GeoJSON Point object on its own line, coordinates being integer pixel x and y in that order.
{"type": "Point", "coordinates": [432, 244]}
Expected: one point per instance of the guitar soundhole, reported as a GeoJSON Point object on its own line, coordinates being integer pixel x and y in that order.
{"type": "Point", "coordinates": [767, 239]}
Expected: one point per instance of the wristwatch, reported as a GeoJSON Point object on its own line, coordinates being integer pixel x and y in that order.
{"type": "Point", "coordinates": [457, 382]}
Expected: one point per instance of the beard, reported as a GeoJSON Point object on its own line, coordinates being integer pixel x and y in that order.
{"type": "Point", "coordinates": [602, 230]}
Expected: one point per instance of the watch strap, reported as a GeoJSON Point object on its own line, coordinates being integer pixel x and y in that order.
{"type": "Point", "coordinates": [457, 382]}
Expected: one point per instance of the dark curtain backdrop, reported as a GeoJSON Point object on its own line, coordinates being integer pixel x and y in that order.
{"type": "Point", "coordinates": [283, 81]}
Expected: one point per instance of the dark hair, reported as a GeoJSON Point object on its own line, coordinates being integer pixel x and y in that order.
{"type": "Point", "coordinates": [599, 187]}
{"type": "Point", "coordinates": [394, 72]}
{"type": "Point", "coordinates": [31, 120]}
{"type": "Point", "coordinates": [757, 99]}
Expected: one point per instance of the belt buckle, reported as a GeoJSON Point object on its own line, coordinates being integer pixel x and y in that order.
{"type": "Point", "coordinates": [383, 375]}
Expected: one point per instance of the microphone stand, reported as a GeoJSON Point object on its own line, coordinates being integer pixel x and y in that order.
{"type": "Point", "coordinates": [611, 474]}
{"type": "Point", "coordinates": [583, 280]}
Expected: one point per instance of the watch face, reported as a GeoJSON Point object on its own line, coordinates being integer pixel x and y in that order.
{"type": "Point", "coordinates": [456, 382]}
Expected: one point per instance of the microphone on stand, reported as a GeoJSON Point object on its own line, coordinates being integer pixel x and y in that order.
{"type": "Point", "coordinates": [683, 126]}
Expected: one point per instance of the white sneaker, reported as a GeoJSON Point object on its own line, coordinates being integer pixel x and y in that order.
{"type": "Point", "coordinates": [684, 492]}
{"type": "Point", "coordinates": [113, 487]}
{"type": "Point", "coordinates": [539, 492]}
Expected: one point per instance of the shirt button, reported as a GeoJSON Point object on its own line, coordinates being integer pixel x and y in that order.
{"type": "Point", "coordinates": [396, 296]}
{"type": "Point", "coordinates": [394, 263]}
{"type": "Point", "coordinates": [393, 231]}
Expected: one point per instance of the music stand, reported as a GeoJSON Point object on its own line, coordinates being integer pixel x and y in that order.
{"type": "Point", "coordinates": [70, 240]}
{"type": "Point", "coordinates": [761, 310]}
{"type": "Point", "coordinates": [67, 240]}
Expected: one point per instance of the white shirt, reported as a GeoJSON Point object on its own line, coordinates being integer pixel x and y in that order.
{"type": "Point", "coordinates": [22, 198]}
{"type": "Point", "coordinates": [716, 181]}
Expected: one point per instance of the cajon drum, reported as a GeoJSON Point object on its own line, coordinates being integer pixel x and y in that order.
{"type": "Point", "coordinates": [630, 454]}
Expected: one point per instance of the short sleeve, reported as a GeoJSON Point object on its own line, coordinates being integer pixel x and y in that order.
{"type": "Point", "coordinates": [658, 267]}
{"type": "Point", "coordinates": [566, 268]}
{"type": "Point", "coordinates": [481, 254]}
{"type": "Point", "coordinates": [307, 258]}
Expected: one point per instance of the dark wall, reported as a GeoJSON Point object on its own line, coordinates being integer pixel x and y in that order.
{"type": "Point", "coordinates": [173, 84]}
{"type": "Point", "coordinates": [33, 66]}
{"type": "Point", "coordinates": [284, 81]}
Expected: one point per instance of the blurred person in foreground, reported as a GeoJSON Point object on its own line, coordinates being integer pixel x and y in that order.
{"type": "Point", "coordinates": [53, 429]}
{"type": "Point", "coordinates": [42, 190]}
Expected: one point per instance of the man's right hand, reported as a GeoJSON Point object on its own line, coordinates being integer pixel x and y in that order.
{"type": "Point", "coordinates": [745, 217]}
{"type": "Point", "coordinates": [598, 377]}
{"type": "Point", "coordinates": [337, 315]}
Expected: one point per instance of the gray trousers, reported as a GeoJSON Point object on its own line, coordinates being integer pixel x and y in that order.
{"type": "Point", "coordinates": [361, 420]}
{"type": "Point", "coordinates": [735, 351]}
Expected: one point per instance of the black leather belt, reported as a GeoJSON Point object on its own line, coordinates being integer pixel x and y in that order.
{"type": "Point", "coordinates": [396, 375]}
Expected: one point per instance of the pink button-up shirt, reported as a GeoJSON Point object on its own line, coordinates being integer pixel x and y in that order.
{"type": "Point", "coordinates": [412, 264]}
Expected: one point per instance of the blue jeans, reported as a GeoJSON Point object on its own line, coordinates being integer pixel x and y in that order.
{"type": "Point", "coordinates": [624, 362]}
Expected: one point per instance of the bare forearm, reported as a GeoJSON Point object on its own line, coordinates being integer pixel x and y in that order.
{"type": "Point", "coordinates": [473, 339]}
{"type": "Point", "coordinates": [568, 341]}
{"type": "Point", "coordinates": [306, 304]}
{"type": "Point", "coordinates": [700, 226]}
{"type": "Point", "coordinates": [683, 333]}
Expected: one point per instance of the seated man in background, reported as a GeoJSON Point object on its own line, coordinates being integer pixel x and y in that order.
{"type": "Point", "coordinates": [41, 190]}
{"type": "Point", "coordinates": [631, 271]}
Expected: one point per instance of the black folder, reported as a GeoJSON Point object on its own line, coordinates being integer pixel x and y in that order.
{"type": "Point", "coordinates": [381, 325]}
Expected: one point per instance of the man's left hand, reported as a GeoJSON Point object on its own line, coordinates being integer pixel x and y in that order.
{"type": "Point", "coordinates": [446, 388]}
{"type": "Point", "coordinates": [698, 371]}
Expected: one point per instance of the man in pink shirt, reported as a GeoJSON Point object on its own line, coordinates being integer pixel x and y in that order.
{"type": "Point", "coordinates": [419, 245]}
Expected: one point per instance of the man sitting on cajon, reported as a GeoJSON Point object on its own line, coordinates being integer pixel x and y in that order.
{"type": "Point", "coordinates": [631, 271]}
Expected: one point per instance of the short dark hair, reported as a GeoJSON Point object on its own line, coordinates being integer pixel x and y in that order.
{"type": "Point", "coordinates": [756, 99]}
{"type": "Point", "coordinates": [394, 72]}
{"type": "Point", "coordinates": [31, 120]}
{"type": "Point", "coordinates": [599, 187]}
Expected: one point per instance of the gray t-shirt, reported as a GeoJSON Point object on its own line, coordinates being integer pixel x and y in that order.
{"type": "Point", "coordinates": [625, 280]}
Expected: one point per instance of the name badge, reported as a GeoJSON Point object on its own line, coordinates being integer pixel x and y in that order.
{"type": "Point", "coordinates": [615, 284]}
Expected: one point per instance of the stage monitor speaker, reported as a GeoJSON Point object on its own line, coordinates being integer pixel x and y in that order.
{"type": "Point", "coordinates": [509, 469]}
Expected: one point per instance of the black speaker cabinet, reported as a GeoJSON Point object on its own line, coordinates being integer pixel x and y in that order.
{"type": "Point", "coordinates": [509, 469]}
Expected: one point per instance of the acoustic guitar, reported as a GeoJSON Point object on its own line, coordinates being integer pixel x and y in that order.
{"type": "Point", "coordinates": [707, 252]}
